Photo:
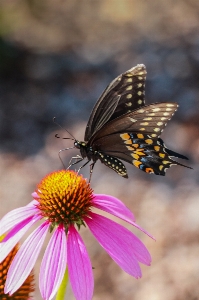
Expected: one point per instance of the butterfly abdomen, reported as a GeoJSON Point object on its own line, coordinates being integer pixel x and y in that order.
{"type": "Point", "coordinates": [113, 163]}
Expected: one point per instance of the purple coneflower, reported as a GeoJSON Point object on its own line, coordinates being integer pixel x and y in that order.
{"type": "Point", "coordinates": [25, 290]}
{"type": "Point", "coordinates": [62, 200]}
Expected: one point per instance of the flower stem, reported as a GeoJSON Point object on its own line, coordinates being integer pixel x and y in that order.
{"type": "Point", "coordinates": [62, 289]}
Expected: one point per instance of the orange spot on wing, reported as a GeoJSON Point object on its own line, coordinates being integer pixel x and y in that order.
{"type": "Point", "coordinates": [134, 155]}
{"type": "Point", "coordinates": [140, 136]}
{"type": "Point", "coordinates": [136, 163]}
{"type": "Point", "coordinates": [135, 145]}
{"type": "Point", "coordinates": [125, 136]}
{"type": "Point", "coordinates": [130, 148]}
{"type": "Point", "coordinates": [149, 141]}
{"type": "Point", "coordinates": [140, 152]}
{"type": "Point", "coordinates": [157, 148]}
{"type": "Point", "coordinates": [128, 142]}
{"type": "Point", "coordinates": [149, 170]}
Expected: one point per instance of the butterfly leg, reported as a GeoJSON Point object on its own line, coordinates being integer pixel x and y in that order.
{"type": "Point", "coordinates": [59, 154]}
{"type": "Point", "coordinates": [83, 165]}
{"type": "Point", "coordinates": [91, 171]}
{"type": "Point", "coordinates": [78, 159]}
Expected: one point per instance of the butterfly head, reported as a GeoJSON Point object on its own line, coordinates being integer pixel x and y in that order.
{"type": "Point", "coordinates": [79, 144]}
{"type": "Point", "coordinates": [82, 146]}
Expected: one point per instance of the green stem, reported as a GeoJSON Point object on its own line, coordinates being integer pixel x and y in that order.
{"type": "Point", "coordinates": [62, 289]}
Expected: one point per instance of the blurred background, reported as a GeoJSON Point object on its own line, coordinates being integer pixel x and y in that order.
{"type": "Point", "coordinates": [56, 58]}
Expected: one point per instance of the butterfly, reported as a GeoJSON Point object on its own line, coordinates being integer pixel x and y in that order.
{"type": "Point", "coordinates": [122, 127]}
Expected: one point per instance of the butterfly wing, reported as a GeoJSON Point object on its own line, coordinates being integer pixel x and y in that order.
{"type": "Point", "coordinates": [134, 137]}
{"type": "Point", "coordinates": [150, 119]}
{"type": "Point", "coordinates": [122, 127]}
{"type": "Point", "coordinates": [124, 94]}
{"type": "Point", "coordinates": [149, 155]}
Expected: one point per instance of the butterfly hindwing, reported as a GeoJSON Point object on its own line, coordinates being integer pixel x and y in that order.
{"type": "Point", "coordinates": [124, 94]}
{"type": "Point", "coordinates": [148, 154]}
{"type": "Point", "coordinates": [171, 152]}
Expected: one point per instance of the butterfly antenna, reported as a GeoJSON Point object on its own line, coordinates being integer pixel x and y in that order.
{"type": "Point", "coordinates": [57, 136]}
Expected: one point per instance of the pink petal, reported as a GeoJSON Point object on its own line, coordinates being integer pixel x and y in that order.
{"type": "Point", "coordinates": [113, 206]}
{"type": "Point", "coordinates": [117, 208]}
{"type": "Point", "coordinates": [25, 259]}
{"type": "Point", "coordinates": [35, 195]}
{"type": "Point", "coordinates": [16, 216]}
{"type": "Point", "coordinates": [13, 237]}
{"type": "Point", "coordinates": [32, 203]}
{"type": "Point", "coordinates": [119, 243]}
{"type": "Point", "coordinates": [53, 264]}
{"type": "Point", "coordinates": [79, 266]}
{"type": "Point", "coordinates": [140, 228]}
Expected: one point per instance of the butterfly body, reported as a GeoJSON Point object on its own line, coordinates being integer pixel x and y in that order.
{"type": "Point", "coordinates": [122, 127]}
{"type": "Point", "coordinates": [108, 160]}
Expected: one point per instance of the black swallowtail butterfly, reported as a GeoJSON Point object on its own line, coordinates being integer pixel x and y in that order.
{"type": "Point", "coordinates": [122, 127]}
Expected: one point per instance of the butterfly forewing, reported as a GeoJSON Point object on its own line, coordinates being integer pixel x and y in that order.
{"type": "Point", "coordinates": [153, 118]}
{"type": "Point", "coordinates": [150, 119]}
{"type": "Point", "coordinates": [132, 91]}
{"type": "Point", "coordinates": [123, 95]}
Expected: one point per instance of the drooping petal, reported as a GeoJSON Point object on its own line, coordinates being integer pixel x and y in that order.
{"type": "Point", "coordinates": [13, 237]}
{"type": "Point", "coordinates": [119, 243]}
{"type": "Point", "coordinates": [16, 216]}
{"type": "Point", "coordinates": [25, 258]}
{"type": "Point", "coordinates": [113, 206]}
{"type": "Point", "coordinates": [140, 228]}
{"type": "Point", "coordinates": [53, 264]}
{"type": "Point", "coordinates": [79, 266]}
{"type": "Point", "coordinates": [117, 208]}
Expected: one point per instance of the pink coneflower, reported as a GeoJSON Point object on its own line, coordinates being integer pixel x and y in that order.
{"type": "Point", "coordinates": [25, 290]}
{"type": "Point", "coordinates": [64, 200]}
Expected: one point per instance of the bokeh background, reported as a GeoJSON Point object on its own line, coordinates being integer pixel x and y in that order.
{"type": "Point", "coordinates": [56, 57]}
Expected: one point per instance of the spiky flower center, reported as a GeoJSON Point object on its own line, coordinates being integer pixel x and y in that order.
{"type": "Point", "coordinates": [25, 291]}
{"type": "Point", "coordinates": [64, 197]}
